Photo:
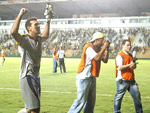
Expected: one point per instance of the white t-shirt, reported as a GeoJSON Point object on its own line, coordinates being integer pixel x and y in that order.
{"type": "Point", "coordinates": [61, 54]}
{"type": "Point", "coordinates": [90, 54]}
{"type": "Point", "coordinates": [119, 62]}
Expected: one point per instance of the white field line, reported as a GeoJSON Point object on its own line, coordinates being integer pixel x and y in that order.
{"type": "Point", "coordinates": [60, 92]}
{"type": "Point", "coordinates": [9, 70]}
{"type": "Point", "coordinates": [16, 69]}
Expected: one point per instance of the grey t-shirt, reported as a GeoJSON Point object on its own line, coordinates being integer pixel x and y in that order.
{"type": "Point", "coordinates": [31, 55]}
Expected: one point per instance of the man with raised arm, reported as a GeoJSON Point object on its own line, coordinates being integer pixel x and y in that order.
{"type": "Point", "coordinates": [31, 57]}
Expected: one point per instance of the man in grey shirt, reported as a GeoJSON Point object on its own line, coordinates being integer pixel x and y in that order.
{"type": "Point", "coordinates": [31, 58]}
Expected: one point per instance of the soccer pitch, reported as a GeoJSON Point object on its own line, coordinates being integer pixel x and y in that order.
{"type": "Point", "coordinates": [59, 90]}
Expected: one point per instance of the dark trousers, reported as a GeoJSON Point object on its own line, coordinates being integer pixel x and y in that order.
{"type": "Point", "coordinates": [62, 64]}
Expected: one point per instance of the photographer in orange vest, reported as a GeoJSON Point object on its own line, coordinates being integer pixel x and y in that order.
{"type": "Point", "coordinates": [55, 59]}
{"type": "Point", "coordinates": [89, 68]}
{"type": "Point", "coordinates": [125, 78]}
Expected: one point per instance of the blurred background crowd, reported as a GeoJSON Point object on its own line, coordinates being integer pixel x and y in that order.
{"type": "Point", "coordinates": [73, 40]}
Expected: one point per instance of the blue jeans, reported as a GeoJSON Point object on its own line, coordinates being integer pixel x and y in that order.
{"type": "Point", "coordinates": [132, 87]}
{"type": "Point", "coordinates": [86, 96]}
{"type": "Point", "coordinates": [54, 65]}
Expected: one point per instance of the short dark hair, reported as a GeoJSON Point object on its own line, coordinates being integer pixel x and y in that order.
{"type": "Point", "coordinates": [125, 40]}
{"type": "Point", "coordinates": [28, 22]}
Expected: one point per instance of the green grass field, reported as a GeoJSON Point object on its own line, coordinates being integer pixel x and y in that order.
{"type": "Point", "coordinates": [59, 90]}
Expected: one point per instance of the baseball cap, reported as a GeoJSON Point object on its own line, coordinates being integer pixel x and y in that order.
{"type": "Point", "coordinates": [97, 35]}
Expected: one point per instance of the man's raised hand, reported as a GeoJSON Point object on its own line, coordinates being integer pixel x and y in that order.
{"type": "Point", "coordinates": [23, 11]}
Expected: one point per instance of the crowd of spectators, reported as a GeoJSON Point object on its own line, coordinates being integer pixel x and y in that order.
{"type": "Point", "coordinates": [9, 45]}
{"type": "Point", "coordinates": [75, 39]}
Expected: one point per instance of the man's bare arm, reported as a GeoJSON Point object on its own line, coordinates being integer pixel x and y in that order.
{"type": "Point", "coordinates": [15, 27]}
{"type": "Point", "coordinates": [45, 35]}
{"type": "Point", "coordinates": [123, 67]}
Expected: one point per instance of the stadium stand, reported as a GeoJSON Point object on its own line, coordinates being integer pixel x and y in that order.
{"type": "Point", "coordinates": [74, 39]}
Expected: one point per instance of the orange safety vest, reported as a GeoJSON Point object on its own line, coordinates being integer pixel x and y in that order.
{"type": "Point", "coordinates": [55, 53]}
{"type": "Point", "coordinates": [128, 73]}
{"type": "Point", "coordinates": [95, 68]}
{"type": "Point", "coordinates": [2, 54]}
